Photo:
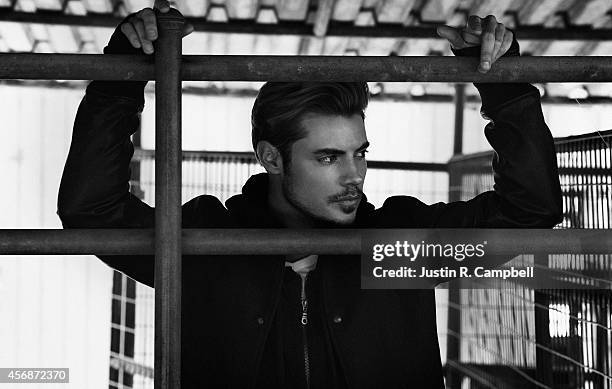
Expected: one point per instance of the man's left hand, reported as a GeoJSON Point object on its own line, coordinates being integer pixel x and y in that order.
{"type": "Point", "coordinates": [493, 38]}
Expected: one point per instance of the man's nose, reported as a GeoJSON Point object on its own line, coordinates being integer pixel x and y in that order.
{"type": "Point", "coordinates": [353, 173]}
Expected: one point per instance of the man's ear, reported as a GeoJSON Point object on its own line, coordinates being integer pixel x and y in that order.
{"type": "Point", "coordinates": [269, 157]}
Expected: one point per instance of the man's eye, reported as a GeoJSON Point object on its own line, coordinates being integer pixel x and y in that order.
{"type": "Point", "coordinates": [362, 154]}
{"type": "Point", "coordinates": [328, 159]}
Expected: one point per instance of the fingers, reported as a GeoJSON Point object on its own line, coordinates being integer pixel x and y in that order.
{"type": "Point", "coordinates": [487, 43]}
{"type": "Point", "coordinates": [505, 44]}
{"type": "Point", "coordinates": [138, 26]}
{"type": "Point", "coordinates": [500, 30]}
{"type": "Point", "coordinates": [141, 29]}
{"type": "Point", "coordinates": [162, 5]}
{"type": "Point", "coordinates": [150, 23]}
{"type": "Point", "coordinates": [130, 33]}
{"type": "Point", "coordinates": [474, 25]}
{"type": "Point", "coordinates": [146, 44]}
{"type": "Point", "coordinates": [452, 35]}
{"type": "Point", "coordinates": [493, 38]}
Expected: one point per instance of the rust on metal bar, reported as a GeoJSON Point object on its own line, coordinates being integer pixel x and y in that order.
{"type": "Point", "coordinates": [168, 161]}
{"type": "Point", "coordinates": [286, 241]}
{"type": "Point", "coordinates": [423, 69]}
{"type": "Point", "coordinates": [76, 242]}
{"type": "Point", "coordinates": [307, 68]}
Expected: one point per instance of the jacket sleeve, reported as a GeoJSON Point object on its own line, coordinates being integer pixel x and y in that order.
{"type": "Point", "coordinates": [526, 192]}
{"type": "Point", "coordinates": [94, 190]}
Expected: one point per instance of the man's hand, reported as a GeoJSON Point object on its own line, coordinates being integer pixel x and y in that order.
{"type": "Point", "coordinates": [141, 28]}
{"type": "Point", "coordinates": [493, 37]}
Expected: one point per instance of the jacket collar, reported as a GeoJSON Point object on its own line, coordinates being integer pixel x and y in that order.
{"type": "Point", "coordinates": [251, 207]}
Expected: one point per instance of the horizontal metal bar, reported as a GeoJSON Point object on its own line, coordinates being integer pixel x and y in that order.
{"type": "Point", "coordinates": [598, 135]}
{"type": "Point", "coordinates": [307, 68]}
{"type": "Point", "coordinates": [412, 166]}
{"type": "Point", "coordinates": [284, 241]}
{"type": "Point", "coordinates": [250, 157]}
{"type": "Point", "coordinates": [337, 29]}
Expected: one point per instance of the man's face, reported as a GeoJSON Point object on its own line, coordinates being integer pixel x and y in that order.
{"type": "Point", "coordinates": [325, 177]}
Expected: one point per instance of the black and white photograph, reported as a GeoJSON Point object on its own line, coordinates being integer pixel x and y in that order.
{"type": "Point", "coordinates": [306, 194]}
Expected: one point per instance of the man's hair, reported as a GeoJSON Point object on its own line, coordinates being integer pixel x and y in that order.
{"type": "Point", "coordinates": [280, 107]}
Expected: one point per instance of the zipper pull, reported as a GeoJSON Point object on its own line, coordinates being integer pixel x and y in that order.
{"type": "Point", "coordinates": [304, 301]}
{"type": "Point", "coordinates": [304, 312]}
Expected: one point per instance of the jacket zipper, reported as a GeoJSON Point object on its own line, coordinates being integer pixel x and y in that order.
{"type": "Point", "coordinates": [304, 321]}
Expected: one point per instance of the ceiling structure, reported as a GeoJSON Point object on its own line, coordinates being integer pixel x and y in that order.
{"type": "Point", "coordinates": [322, 27]}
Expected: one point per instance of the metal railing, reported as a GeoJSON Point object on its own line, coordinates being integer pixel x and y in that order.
{"type": "Point", "coordinates": [168, 70]}
{"type": "Point", "coordinates": [306, 68]}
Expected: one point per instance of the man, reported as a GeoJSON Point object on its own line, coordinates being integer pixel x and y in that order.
{"type": "Point", "coordinates": [304, 322]}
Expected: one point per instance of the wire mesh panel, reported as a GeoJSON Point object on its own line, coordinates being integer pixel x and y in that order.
{"type": "Point", "coordinates": [222, 174]}
{"type": "Point", "coordinates": [586, 180]}
{"type": "Point", "coordinates": [514, 336]}
{"type": "Point", "coordinates": [218, 174]}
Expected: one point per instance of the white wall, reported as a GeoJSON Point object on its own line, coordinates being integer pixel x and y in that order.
{"type": "Point", "coordinates": [54, 310]}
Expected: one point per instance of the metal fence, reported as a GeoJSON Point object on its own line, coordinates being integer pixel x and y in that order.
{"type": "Point", "coordinates": [515, 336]}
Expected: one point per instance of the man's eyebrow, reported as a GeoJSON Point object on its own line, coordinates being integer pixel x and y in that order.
{"type": "Point", "coordinates": [338, 151]}
{"type": "Point", "coordinates": [364, 146]}
{"type": "Point", "coordinates": [328, 151]}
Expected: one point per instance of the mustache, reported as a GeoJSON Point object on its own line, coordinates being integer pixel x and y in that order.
{"type": "Point", "coordinates": [352, 193]}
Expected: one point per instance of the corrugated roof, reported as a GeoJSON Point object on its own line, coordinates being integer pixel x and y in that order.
{"type": "Point", "coordinates": [406, 26]}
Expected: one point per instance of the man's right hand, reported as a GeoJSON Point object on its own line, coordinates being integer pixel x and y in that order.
{"type": "Point", "coordinates": [141, 28]}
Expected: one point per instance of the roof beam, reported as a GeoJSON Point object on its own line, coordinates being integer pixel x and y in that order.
{"type": "Point", "coordinates": [490, 7]}
{"type": "Point", "coordinates": [242, 9]}
{"type": "Point", "coordinates": [303, 29]}
{"type": "Point", "coordinates": [292, 9]}
{"type": "Point", "coordinates": [324, 12]}
{"type": "Point", "coordinates": [589, 12]}
{"type": "Point", "coordinates": [394, 11]}
{"type": "Point", "coordinates": [346, 10]}
{"type": "Point", "coordinates": [438, 10]}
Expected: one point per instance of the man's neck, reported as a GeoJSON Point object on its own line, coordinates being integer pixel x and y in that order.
{"type": "Point", "coordinates": [283, 211]}
{"type": "Point", "coordinates": [286, 214]}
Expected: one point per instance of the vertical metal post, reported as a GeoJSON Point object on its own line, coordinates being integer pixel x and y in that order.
{"type": "Point", "coordinates": [544, 360]}
{"type": "Point", "coordinates": [459, 107]}
{"type": "Point", "coordinates": [168, 201]}
{"type": "Point", "coordinates": [453, 343]}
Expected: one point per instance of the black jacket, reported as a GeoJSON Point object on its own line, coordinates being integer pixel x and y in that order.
{"type": "Point", "coordinates": [382, 338]}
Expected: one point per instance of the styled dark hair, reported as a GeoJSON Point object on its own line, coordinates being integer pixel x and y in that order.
{"type": "Point", "coordinates": [280, 107]}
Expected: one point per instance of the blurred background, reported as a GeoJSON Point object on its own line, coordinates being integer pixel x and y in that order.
{"type": "Point", "coordinates": [70, 311]}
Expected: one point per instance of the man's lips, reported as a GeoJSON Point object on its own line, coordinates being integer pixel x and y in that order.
{"type": "Point", "coordinates": [348, 199]}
